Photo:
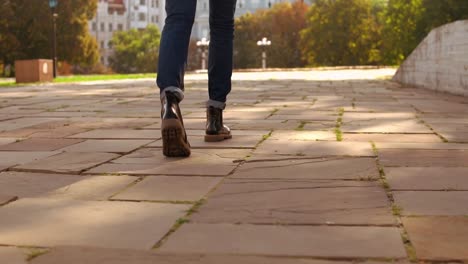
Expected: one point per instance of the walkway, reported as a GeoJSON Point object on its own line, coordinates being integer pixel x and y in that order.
{"type": "Point", "coordinates": [324, 167]}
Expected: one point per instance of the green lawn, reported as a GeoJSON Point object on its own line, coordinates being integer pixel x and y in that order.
{"type": "Point", "coordinates": [85, 78]}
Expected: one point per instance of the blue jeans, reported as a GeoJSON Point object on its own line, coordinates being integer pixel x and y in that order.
{"type": "Point", "coordinates": [175, 42]}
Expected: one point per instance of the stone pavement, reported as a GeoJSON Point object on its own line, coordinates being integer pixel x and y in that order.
{"type": "Point", "coordinates": [338, 166]}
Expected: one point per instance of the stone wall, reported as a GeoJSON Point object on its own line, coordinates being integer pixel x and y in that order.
{"type": "Point", "coordinates": [440, 62]}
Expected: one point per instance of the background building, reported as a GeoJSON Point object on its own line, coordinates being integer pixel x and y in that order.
{"type": "Point", "coordinates": [118, 15]}
{"type": "Point", "coordinates": [201, 28]}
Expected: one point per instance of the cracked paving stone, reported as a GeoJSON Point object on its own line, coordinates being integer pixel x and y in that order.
{"type": "Point", "coordinates": [276, 240]}
{"type": "Point", "coordinates": [321, 168]}
{"type": "Point", "coordinates": [88, 255]}
{"type": "Point", "coordinates": [10, 158]}
{"type": "Point", "coordinates": [92, 188]}
{"type": "Point", "coordinates": [237, 141]}
{"type": "Point", "coordinates": [313, 148]}
{"type": "Point", "coordinates": [25, 184]}
{"type": "Point", "coordinates": [119, 134]}
{"type": "Point", "coordinates": [12, 255]}
{"type": "Point", "coordinates": [427, 178]}
{"type": "Point", "coordinates": [438, 238]}
{"type": "Point", "coordinates": [296, 202]}
{"type": "Point", "coordinates": [302, 135]}
{"type": "Point", "coordinates": [40, 144]}
{"type": "Point", "coordinates": [385, 126]}
{"type": "Point", "coordinates": [167, 188]}
{"type": "Point", "coordinates": [423, 158]}
{"type": "Point", "coordinates": [150, 161]}
{"type": "Point", "coordinates": [409, 138]}
{"type": "Point", "coordinates": [5, 199]}
{"type": "Point", "coordinates": [107, 145]}
{"type": "Point", "coordinates": [67, 162]}
{"type": "Point", "coordinates": [432, 202]}
{"type": "Point", "coordinates": [86, 223]}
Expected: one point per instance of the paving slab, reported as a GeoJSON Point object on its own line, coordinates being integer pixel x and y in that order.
{"type": "Point", "coordinates": [150, 161]}
{"type": "Point", "coordinates": [310, 241]}
{"type": "Point", "coordinates": [438, 238]}
{"type": "Point", "coordinates": [274, 201]}
{"type": "Point", "coordinates": [459, 137]}
{"type": "Point", "coordinates": [428, 178]}
{"type": "Point", "coordinates": [302, 135]}
{"type": "Point", "coordinates": [40, 144]}
{"type": "Point", "coordinates": [12, 255]}
{"type": "Point", "coordinates": [86, 223]}
{"type": "Point", "coordinates": [421, 146]}
{"type": "Point", "coordinates": [167, 188]}
{"type": "Point", "coordinates": [79, 255]}
{"type": "Point", "coordinates": [25, 184]}
{"type": "Point", "coordinates": [5, 199]}
{"type": "Point", "coordinates": [319, 169]}
{"type": "Point", "coordinates": [314, 148]}
{"type": "Point", "coordinates": [92, 188]}
{"type": "Point", "coordinates": [423, 158]}
{"type": "Point", "coordinates": [24, 122]}
{"type": "Point", "coordinates": [107, 145]}
{"type": "Point", "coordinates": [385, 126]}
{"type": "Point", "coordinates": [10, 158]}
{"type": "Point", "coordinates": [400, 138]}
{"type": "Point", "coordinates": [415, 203]}
{"type": "Point", "coordinates": [119, 134]}
{"type": "Point", "coordinates": [6, 141]}
{"type": "Point", "coordinates": [264, 124]}
{"type": "Point", "coordinates": [237, 142]}
{"type": "Point", "coordinates": [67, 162]}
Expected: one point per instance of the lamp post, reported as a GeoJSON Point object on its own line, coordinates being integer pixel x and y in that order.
{"type": "Point", "coordinates": [203, 44]}
{"type": "Point", "coordinates": [53, 5]}
{"type": "Point", "coordinates": [263, 44]}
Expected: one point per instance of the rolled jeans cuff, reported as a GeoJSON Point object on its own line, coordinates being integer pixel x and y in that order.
{"type": "Point", "coordinates": [216, 104]}
{"type": "Point", "coordinates": [176, 90]}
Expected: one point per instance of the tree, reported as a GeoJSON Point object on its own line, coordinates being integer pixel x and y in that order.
{"type": "Point", "coordinates": [281, 24]}
{"type": "Point", "coordinates": [400, 32]}
{"type": "Point", "coordinates": [341, 32]}
{"type": "Point", "coordinates": [135, 50]}
{"type": "Point", "coordinates": [26, 30]}
{"type": "Point", "coordinates": [440, 12]}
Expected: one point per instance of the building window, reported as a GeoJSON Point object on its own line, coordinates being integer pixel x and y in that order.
{"type": "Point", "coordinates": [142, 2]}
{"type": "Point", "coordinates": [94, 26]}
{"type": "Point", "coordinates": [157, 19]}
{"type": "Point", "coordinates": [141, 17]}
{"type": "Point", "coordinates": [109, 45]}
{"type": "Point", "coordinates": [157, 3]}
{"type": "Point", "coordinates": [102, 44]}
{"type": "Point", "coordinates": [111, 27]}
{"type": "Point", "coordinates": [102, 60]}
{"type": "Point", "coordinates": [120, 27]}
{"type": "Point", "coordinates": [103, 27]}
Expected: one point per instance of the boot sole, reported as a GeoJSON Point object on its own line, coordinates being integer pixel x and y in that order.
{"type": "Point", "coordinates": [173, 136]}
{"type": "Point", "coordinates": [217, 138]}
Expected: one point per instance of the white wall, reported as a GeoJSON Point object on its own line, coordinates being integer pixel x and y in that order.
{"type": "Point", "coordinates": [440, 62]}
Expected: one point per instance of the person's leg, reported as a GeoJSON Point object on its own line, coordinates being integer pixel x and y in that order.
{"type": "Point", "coordinates": [172, 60]}
{"type": "Point", "coordinates": [219, 67]}
{"type": "Point", "coordinates": [221, 51]}
{"type": "Point", "coordinates": [174, 45]}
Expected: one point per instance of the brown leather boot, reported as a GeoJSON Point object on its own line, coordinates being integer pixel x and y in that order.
{"type": "Point", "coordinates": [215, 129]}
{"type": "Point", "coordinates": [174, 137]}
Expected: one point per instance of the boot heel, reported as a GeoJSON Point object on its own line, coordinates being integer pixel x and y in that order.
{"type": "Point", "coordinates": [174, 139]}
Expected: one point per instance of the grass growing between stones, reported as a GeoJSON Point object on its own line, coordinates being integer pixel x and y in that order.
{"type": "Point", "coordinates": [396, 210]}
{"type": "Point", "coordinates": [179, 222]}
{"type": "Point", "coordinates": [339, 122]}
{"type": "Point", "coordinates": [301, 126]}
{"type": "Point", "coordinates": [33, 253]}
